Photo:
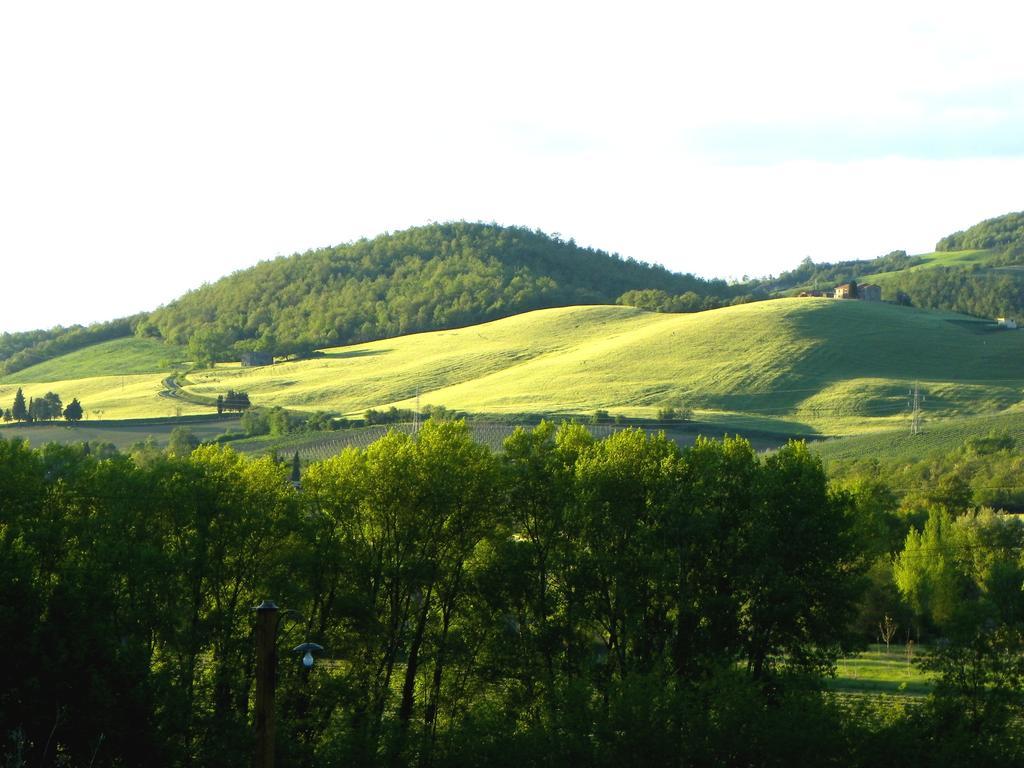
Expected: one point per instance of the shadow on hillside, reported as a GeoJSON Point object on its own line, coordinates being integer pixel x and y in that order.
{"type": "Point", "coordinates": [976, 326]}
{"type": "Point", "coordinates": [356, 353]}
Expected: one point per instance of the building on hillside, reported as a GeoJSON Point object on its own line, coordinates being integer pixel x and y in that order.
{"type": "Point", "coordinates": [253, 359]}
{"type": "Point", "coordinates": [816, 294]}
{"type": "Point", "coordinates": [869, 292]}
{"type": "Point", "coordinates": [1006, 322]}
{"type": "Point", "coordinates": [866, 292]}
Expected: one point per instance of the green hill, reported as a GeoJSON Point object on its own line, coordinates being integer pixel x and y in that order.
{"type": "Point", "coordinates": [1000, 232]}
{"type": "Point", "coordinates": [828, 366]}
{"type": "Point", "coordinates": [111, 358]}
{"type": "Point", "coordinates": [805, 366]}
{"type": "Point", "coordinates": [425, 278]}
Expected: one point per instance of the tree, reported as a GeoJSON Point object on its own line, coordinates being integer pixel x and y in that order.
{"type": "Point", "coordinates": [52, 407]}
{"type": "Point", "coordinates": [278, 421]}
{"type": "Point", "coordinates": [182, 442]}
{"type": "Point", "coordinates": [255, 422]}
{"type": "Point", "coordinates": [233, 401]}
{"type": "Point", "coordinates": [73, 411]}
{"type": "Point", "coordinates": [19, 411]}
{"type": "Point", "coordinates": [887, 630]}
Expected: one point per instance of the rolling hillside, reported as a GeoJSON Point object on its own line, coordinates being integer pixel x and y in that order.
{"type": "Point", "coordinates": [120, 379]}
{"type": "Point", "coordinates": [803, 366]}
{"type": "Point", "coordinates": [820, 365]}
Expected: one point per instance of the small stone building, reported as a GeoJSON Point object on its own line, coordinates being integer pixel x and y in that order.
{"type": "Point", "coordinates": [869, 292]}
{"type": "Point", "coordinates": [253, 359]}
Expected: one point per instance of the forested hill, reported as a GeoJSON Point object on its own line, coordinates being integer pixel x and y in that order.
{"type": "Point", "coordinates": [1001, 232]}
{"type": "Point", "coordinates": [425, 278]}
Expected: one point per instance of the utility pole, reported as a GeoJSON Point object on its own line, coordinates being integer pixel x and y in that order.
{"type": "Point", "coordinates": [416, 414]}
{"type": "Point", "coordinates": [266, 677]}
{"type": "Point", "coordinates": [915, 405]}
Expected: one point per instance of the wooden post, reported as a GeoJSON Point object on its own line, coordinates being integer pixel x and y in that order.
{"type": "Point", "coordinates": [266, 679]}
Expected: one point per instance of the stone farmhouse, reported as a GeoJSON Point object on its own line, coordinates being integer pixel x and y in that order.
{"type": "Point", "coordinates": [866, 292]}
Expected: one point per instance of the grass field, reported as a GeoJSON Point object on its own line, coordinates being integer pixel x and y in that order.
{"type": "Point", "coordinates": [936, 437]}
{"type": "Point", "coordinates": [878, 671]}
{"type": "Point", "coordinates": [109, 397]}
{"type": "Point", "coordinates": [816, 365]}
{"type": "Point", "coordinates": [794, 366]}
{"type": "Point", "coordinates": [120, 379]}
{"type": "Point", "coordinates": [120, 357]}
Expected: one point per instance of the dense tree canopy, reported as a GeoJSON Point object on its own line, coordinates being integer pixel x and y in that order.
{"type": "Point", "coordinates": [532, 597]}
{"type": "Point", "coordinates": [569, 601]}
{"type": "Point", "coordinates": [998, 232]}
{"type": "Point", "coordinates": [970, 290]}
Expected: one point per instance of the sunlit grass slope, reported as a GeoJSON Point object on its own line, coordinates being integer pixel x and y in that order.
{"type": "Point", "coordinates": [118, 379]}
{"type": "Point", "coordinates": [837, 366]}
{"type": "Point", "coordinates": [108, 397]}
{"type": "Point", "coordinates": [119, 357]}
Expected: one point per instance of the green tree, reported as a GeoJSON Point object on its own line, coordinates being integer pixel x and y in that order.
{"type": "Point", "coordinates": [182, 442]}
{"type": "Point", "coordinates": [209, 344]}
{"type": "Point", "coordinates": [278, 421]}
{"type": "Point", "coordinates": [925, 571]}
{"type": "Point", "coordinates": [73, 410]}
{"type": "Point", "coordinates": [255, 422]}
{"type": "Point", "coordinates": [53, 406]}
{"type": "Point", "coordinates": [19, 411]}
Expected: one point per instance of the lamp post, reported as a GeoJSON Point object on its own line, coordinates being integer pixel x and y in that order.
{"type": "Point", "coordinates": [266, 678]}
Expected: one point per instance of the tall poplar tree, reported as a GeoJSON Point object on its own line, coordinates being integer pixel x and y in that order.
{"type": "Point", "coordinates": [19, 411]}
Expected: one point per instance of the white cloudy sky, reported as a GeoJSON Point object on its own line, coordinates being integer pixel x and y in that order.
{"type": "Point", "coordinates": [146, 148]}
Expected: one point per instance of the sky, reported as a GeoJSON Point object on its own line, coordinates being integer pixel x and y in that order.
{"type": "Point", "coordinates": [147, 148]}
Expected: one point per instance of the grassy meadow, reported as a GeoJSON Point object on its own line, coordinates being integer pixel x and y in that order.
{"type": "Point", "coordinates": [120, 357]}
{"type": "Point", "coordinates": [881, 671]}
{"type": "Point", "coordinates": [811, 365]}
{"type": "Point", "coordinates": [814, 367]}
{"type": "Point", "coordinates": [119, 379]}
{"type": "Point", "coordinates": [936, 437]}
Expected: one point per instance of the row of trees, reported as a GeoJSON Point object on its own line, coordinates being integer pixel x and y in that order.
{"type": "Point", "coordinates": [45, 408]}
{"type": "Point", "coordinates": [233, 401]}
{"type": "Point", "coordinates": [655, 300]}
